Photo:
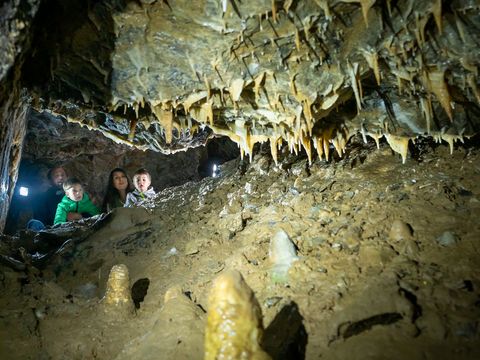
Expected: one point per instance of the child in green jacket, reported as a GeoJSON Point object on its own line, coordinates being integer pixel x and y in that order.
{"type": "Point", "coordinates": [75, 205]}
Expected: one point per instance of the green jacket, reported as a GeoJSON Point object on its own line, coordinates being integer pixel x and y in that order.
{"type": "Point", "coordinates": [66, 206]}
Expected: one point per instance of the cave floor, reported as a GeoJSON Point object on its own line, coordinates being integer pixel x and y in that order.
{"type": "Point", "coordinates": [388, 264]}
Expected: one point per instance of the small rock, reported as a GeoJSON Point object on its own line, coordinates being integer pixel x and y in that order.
{"type": "Point", "coordinates": [282, 254]}
{"type": "Point", "coordinates": [400, 231]}
{"type": "Point", "coordinates": [448, 238]}
{"type": "Point", "coordinates": [272, 301]}
{"type": "Point", "coordinates": [337, 246]}
{"type": "Point", "coordinates": [297, 184]}
{"type": "Point", "coordinates": [191, 248]}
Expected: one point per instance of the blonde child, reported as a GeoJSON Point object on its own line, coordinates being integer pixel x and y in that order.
{"type": "Point", "coordinates": [142, 181]}
{"type": "Point", "coordinates": [75, 205]}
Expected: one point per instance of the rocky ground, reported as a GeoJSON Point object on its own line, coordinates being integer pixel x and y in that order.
{"type": "Point", "coordinates": [387, 263]}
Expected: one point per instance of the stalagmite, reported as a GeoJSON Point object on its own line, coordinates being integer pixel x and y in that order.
{"type": "Point", "coordinates": [398, 144]}
{"type": "Point", "coordinates": [117, 295]}
{"type": "Point", "coordinates": [234, 321]}
{"type": "Point", "coordinates": [282, 255]}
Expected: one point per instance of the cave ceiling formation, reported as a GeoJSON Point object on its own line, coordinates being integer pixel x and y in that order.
{"type": "Point", "coordinates": [163, 75]}
{"type": "Point", "coordinates": [168, 75]}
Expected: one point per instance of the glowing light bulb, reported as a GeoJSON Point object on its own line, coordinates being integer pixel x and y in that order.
{"type": "Point", "coordinates": [23, 191]}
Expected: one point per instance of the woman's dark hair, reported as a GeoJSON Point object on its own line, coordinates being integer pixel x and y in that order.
{"type": "Point", "coordinates": [111, 193]}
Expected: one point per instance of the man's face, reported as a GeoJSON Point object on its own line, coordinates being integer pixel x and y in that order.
{"type": "Point", "coordinates": [58, 176]}
{"type": "Point", "coordinates": [142, 182]}
{"type": "Point", "coordinates": [75, 193]}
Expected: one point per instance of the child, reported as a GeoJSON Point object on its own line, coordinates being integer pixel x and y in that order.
{"type": "Point", "coordinates": [143, 190]}
{"type": "Point", "coordinates": [75, 205]}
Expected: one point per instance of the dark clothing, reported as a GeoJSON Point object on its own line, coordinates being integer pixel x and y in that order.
{"type": "Point", "coordinates": [113, 202]}
{"type": "Point", "coordinates": [47, 205]}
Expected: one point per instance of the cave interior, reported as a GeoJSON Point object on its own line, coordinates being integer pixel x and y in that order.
{"type": "Point", "coordinates": [316, 163]}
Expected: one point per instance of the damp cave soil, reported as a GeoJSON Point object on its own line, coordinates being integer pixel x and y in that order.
{"type": "Point", "coordinates": [388, 265]}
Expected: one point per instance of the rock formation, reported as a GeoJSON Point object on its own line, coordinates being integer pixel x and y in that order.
{"type": "Point", "coordinates": [166, 75]}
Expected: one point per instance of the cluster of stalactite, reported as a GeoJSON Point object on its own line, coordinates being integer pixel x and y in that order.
{"type": "Point", "coordinates": [305, 73]}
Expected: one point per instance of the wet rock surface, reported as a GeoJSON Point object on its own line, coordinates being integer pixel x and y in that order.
{"type": "Point", "coordinates": [372, 278]}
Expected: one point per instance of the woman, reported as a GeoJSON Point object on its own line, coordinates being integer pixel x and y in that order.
{"type": "Point", "coordinates": [117, 189]}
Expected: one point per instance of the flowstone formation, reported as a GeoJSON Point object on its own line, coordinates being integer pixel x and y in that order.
{"type": "Point", "coordinates": [306, 73]}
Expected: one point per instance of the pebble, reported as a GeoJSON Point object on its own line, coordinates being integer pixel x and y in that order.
{"type": "Point", "coordinates": [400, 231]}
{"type": "Point", "coordinates": [448, 238]}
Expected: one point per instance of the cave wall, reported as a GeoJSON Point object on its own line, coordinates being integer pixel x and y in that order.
{"type": "Point", "coordinates": [15, 20]}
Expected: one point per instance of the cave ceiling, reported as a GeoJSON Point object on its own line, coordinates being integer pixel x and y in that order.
{"type": "Point", "coordinates": [168, 75]}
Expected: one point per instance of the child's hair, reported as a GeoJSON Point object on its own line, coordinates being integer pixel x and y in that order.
{"type": "Point", "coordinates": [142, 171]}
{"type": "Point", "coordinates": [70, 182]}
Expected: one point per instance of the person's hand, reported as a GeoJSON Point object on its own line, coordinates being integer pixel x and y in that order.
{"type": "Point", "coordinates": [72, 216]}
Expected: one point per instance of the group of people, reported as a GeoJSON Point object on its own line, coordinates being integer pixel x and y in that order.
{"type": "Point", "coordinates": [67, 201]}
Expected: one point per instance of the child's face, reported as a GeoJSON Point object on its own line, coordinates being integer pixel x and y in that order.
{"type": "Point", "coordinates": [75, 193]}
{"type": "Point", "coordinates": [119, 180]}
{"type": "Point", "coordinates": [142, 182]}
